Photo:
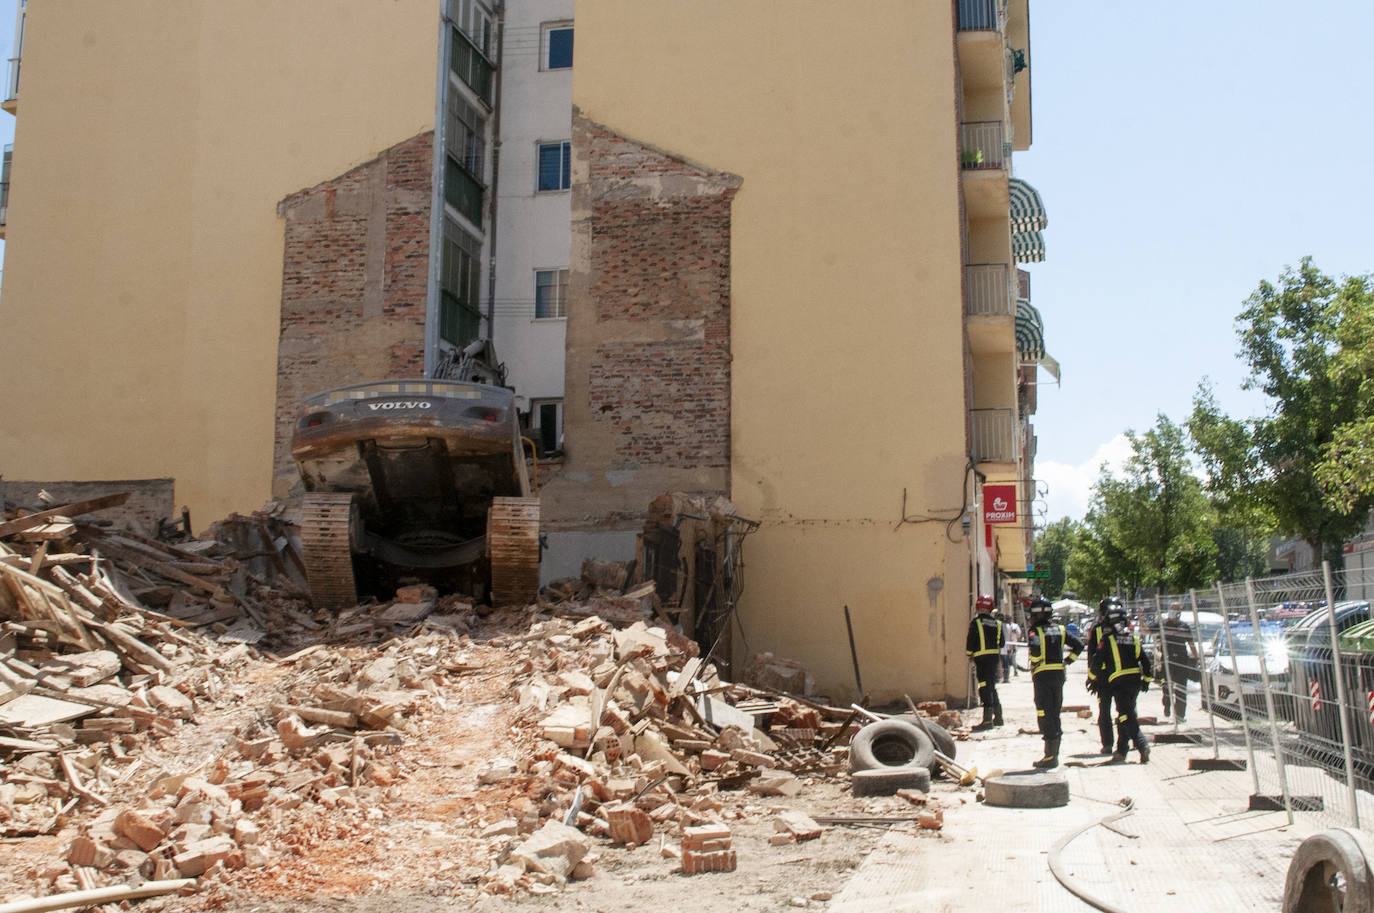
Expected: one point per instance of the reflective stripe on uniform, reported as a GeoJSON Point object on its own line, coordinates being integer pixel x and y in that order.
{"type": "Point", "coordinates": [1116, 662]}
{"type": "Point", "coordinates": [1040, 657]}
{"type": "Point", "coordinates": [983, 649]}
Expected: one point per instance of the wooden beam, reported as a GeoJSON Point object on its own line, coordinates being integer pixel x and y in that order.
{"type": "Point", "coordinates": [69, 510]}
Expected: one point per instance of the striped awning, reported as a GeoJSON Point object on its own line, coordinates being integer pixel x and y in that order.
{"type": "Point", "coordinates": [1030, 331]}
{"type": "Point", "coordinates": [1028, 247]}
{"type": "Point", "coordinates": [1027, 220]}
{"type": "Point", "coordinates": [1027, 212]}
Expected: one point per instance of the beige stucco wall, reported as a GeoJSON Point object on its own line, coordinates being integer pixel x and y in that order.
{"type": "Point", "coordinates": [846, 330]}
{"type": "Point", "coordinates": [139, 322]}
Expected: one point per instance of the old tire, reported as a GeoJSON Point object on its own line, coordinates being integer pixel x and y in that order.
{"type": "Point", "coordinates": [1026, 789]}
{"type": "Point", "coordinates": [1321, 861]}
{"type": "Point", "coordinates": [886, 781]}
{"type": "Point", "coordinates": [939, 735]}
{"type": "Point", "coordinates": [890, 745]}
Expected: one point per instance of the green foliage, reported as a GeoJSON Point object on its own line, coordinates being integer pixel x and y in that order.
{"type": "Point", "coordinates": [1152, 527]}
{"type": "Point", "coordinates": [1302, 342]}
{"type": "Point", "coordinates": [1346, 469]}
{"type": "Point", "coordinates": [1052, 548]}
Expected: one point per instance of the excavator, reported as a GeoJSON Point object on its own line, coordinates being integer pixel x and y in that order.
{"type": "Point", "coordinates": [416, 481]}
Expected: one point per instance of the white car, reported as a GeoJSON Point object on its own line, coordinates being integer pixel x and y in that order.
{"type": "Point", "coordinates": [1225, 676]}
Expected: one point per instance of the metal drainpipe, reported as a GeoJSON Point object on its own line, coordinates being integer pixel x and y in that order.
{"type": "Point", "coordinates": [495, 173]}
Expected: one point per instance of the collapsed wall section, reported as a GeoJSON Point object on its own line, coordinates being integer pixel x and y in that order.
{"type": "Point", "coordinates": [648, 339]}
{"type": "Point", "coordinates": [355, 273]}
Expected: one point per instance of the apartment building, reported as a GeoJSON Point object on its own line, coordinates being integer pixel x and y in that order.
{"type": "Point", "coordinates": [798, 286]}
{"type": "Point", "coordinates": [213, 219]}
{"type": "Point", "coordinates": [707, 264]}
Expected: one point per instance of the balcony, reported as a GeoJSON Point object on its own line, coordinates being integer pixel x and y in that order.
{"type": "Point", "coordinates": [982, 44]}
{"type": "Point", "coordinates": [982, 15]}
{"type": "Point", "coordinates": [5, 187]}
{"type": "Point", "coordinates": [981, 146]}
{"type": "Point", "coordinates": [983, 159]}
{"type": "Point", "coordinates": [989, 308]}
{"type": "Point", "coordinates": [993, 436]}
{"type": "Point", "coordinates": [11, 102]}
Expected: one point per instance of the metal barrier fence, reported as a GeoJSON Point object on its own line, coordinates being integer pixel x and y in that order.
{"type": "Point", "coordinates": [1285, 676]}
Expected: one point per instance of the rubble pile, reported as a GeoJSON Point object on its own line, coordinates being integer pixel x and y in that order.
{"type": "Point", "coordinates": [148, 734]}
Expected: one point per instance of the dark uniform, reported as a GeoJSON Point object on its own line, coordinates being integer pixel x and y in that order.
{"type": "Point", "coordinates": [1124, 671]}
{"type": "Point", "coordinates": [1096, 634]}
{"type": "Point", "coordinates": [984, 646]}
{"type": "Point", "coordinates": [1181, 665]}
{"type": "Point", "coordinates": [1051, 648]}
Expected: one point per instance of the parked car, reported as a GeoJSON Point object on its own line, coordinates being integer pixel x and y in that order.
{"type": "Point", "coordinates": [1233, 669]}
{"type": "Point", "coordinates": [1311, 663]}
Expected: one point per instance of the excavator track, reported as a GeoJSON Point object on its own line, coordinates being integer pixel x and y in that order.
{"type": "Point", "coordinates": [328, 531]}
{"type": "Point", "coordinates": [513, 544]}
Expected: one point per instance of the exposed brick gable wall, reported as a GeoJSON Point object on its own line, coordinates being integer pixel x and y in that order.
{"type": "Point", "coordinates": [647, 402]}
{"type": "Point", "coordinates": [355, 270]}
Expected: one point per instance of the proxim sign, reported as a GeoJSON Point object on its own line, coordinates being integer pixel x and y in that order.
{"type": "Point", "coordinates": [999, 503]}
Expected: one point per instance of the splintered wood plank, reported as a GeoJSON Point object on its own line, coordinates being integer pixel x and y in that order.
{"type": "Point", "coordinates": [68, 510]}
{"type": "Point", "coordinates": [32, 711]}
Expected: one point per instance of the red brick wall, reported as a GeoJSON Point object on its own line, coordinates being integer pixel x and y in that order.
{"type": "Point", "coordinates": [659, 257]}
{"type": "Point", "coordinates": [354, 282]}
{"type": "Point", "coordinates": [647, 394]}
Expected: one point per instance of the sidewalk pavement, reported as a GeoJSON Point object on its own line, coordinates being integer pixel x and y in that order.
{"type": "Point", "coordinates": [1191, 844]}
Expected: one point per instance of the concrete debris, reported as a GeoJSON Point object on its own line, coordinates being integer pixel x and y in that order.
{"type": "Point", "coordinates": [619, 730]}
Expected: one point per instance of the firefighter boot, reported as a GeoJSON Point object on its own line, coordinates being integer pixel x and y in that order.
{"type": "Point", "coordinates": [1051, 758]}
{"type": "Point", "coordinates": [1143, 747]}
{"type": "Point", "coordinates": [997, 715]}
{"type": "Point", "coordinates": [987, 721]}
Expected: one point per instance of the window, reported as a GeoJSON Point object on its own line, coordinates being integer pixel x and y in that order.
{"type": "Point", "coordinates": [546, 425]}
{"type": "Point", "coordinates": [550, 293]}
{"type": "Point", "coordinates": [468, 64]}
{"type": "Point", "coordinates": [474, 21]}
{"type": "Point", "coordinates": [460, 311]}
{"type": "Point", "coordinates": [557, 46]}
{"type": "Point", "coordinates": [555, 166]}
{"type": "Point", "coordinates": [465, 135]}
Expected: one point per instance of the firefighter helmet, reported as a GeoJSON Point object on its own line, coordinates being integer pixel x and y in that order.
{"type": "Point", "coordinates": [1117, 617]}
{"type": "Point", "coordinates": [1107, 604]}
{"type": "Point", "coordinates": [1041, 610]}
{"type": "Point", "coordinates": [984, 601]}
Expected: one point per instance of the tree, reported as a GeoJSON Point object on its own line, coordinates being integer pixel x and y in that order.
{"type": "Point", "coordinates": [1346, 470]}
{"type": "Point", "coordinates": [1292, 339]}
{"type": "Point", "coordinates": [1153, 526]}
{"type": "Point", "coordinates": [1052, 549]}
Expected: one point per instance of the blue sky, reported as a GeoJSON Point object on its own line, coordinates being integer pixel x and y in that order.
{"type": "Point", "coordinates": [1184, 153]}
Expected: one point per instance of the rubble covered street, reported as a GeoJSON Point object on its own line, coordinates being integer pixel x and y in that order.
{"type": "Point", "coordinates": [175, 716]}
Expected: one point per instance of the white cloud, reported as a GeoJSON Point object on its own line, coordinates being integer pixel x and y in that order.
{"type": "Point", "coordinates": [1070, 485]}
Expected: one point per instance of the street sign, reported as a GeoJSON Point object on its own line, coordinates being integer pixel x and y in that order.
{"type": "Point", "coordinates": [1037, 575]}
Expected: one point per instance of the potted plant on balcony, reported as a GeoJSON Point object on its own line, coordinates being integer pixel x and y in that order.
{"type": "Point", "coordinates": [971, 158]}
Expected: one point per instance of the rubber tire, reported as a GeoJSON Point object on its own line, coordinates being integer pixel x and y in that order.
{"type": "Point", "coordinates": [886, 781]}
{"type": "Point", "coordinates": [1317, 859]}
{"type": "Point", "coordinates": [944, 742]}
{"type": "Point", "coordinates": [890, 745]}
{"type": "Point", "coordinates": [1027, 789]}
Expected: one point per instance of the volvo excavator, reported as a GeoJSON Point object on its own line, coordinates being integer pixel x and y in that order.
{"type": "Point", "coordinates": [416, 480]}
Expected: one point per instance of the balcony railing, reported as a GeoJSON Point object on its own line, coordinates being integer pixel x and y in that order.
{"type": "Point", "coordinates": [992, 436]}
{"type": "Point", "coordinates": [987, 290]}
{"type": "Point", "coordinates": [981, 145]}
{"type": "Point", "coordinates": [981, 15]}
{"type": "Point", "coordinates": [5, 181]}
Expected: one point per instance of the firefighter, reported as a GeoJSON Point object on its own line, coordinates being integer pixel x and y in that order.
{"type": "Point", "coordinates": [984, 646]}
{"type": "Point", "coordinates": [1096, 633]}
{"type": "Point", "coordinates": [1051, 648]}
{"type": "Point", "coordinates": [1123, 672]}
